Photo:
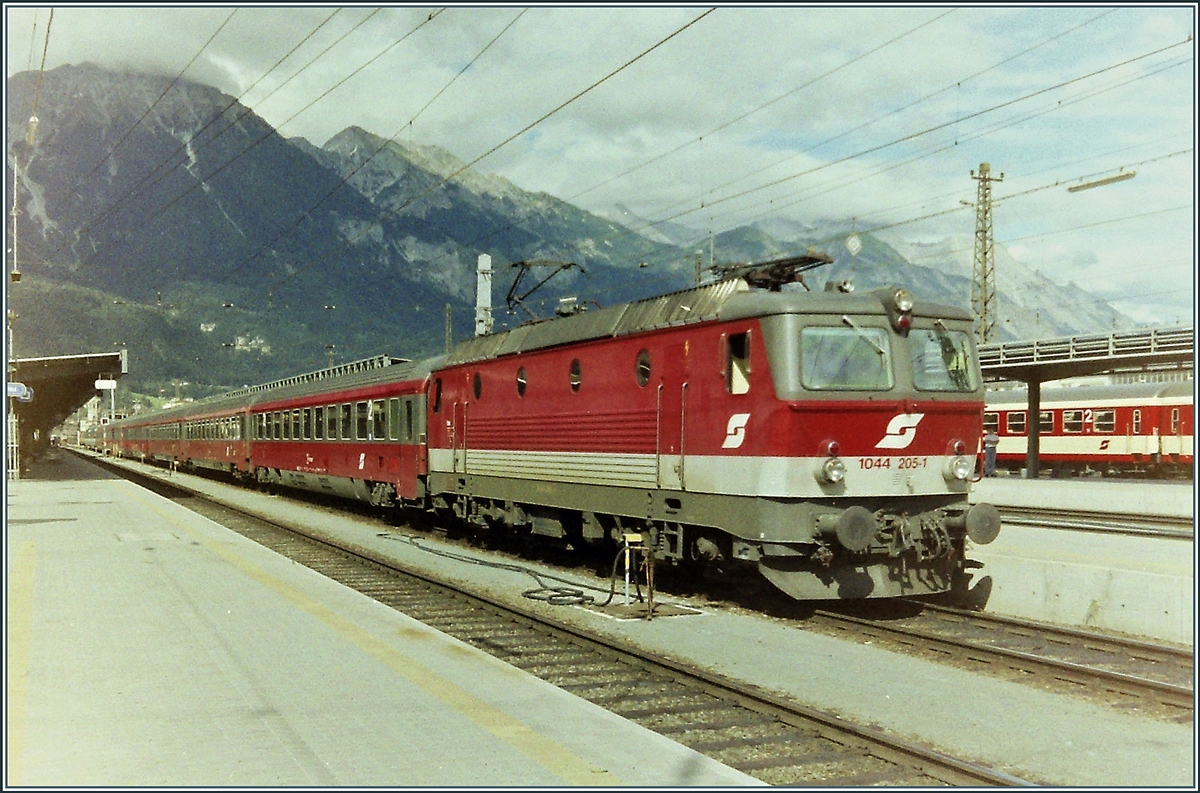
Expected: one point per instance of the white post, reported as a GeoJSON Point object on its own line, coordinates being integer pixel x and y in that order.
{"type": "Point", "coordinates": [483, 296]}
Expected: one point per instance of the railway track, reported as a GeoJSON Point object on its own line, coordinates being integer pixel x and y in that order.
{"type": "Point", "coordinates": [1080, 520]}
{"type": "Point", "coordinates": [1125, 673]}
{"type": "Point", "coordinates": [765, 736]}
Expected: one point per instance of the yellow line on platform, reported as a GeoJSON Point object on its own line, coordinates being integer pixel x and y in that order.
{"type": "Point", "coordinates": [546, 752]}
{"type": "Point", "coordinates": [20, 630]}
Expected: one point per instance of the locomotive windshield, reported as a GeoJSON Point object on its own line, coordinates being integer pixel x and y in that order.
{"type": "Point", "coordinates": [941, 360]}
{"type": "Point", "coordinates": [845, 359]}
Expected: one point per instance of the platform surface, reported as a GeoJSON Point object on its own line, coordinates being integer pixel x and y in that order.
{"type": "Point", "coordinates": [148, 646]}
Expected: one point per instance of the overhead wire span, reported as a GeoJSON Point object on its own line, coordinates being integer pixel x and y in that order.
{"type": "Point", "coordinates": [153, 104]}
{"type": "Point", "coordinates": [345, 179]}
{"type": "Point", "coordinates": [201, 181]}
{"type": "Point", "coordinates": [183, 147]}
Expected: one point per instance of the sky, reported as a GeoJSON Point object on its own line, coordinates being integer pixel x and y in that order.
{"type": "Point", "coordinates": [715, 117]}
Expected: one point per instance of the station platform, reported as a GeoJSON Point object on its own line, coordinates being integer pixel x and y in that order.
{"type": "Point", "coordinates": [148, 646]}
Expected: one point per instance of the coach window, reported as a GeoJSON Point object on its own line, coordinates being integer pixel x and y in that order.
{"type": "Point", "coordinates": [347, 421]}
{"type": "Point", "coordinates": [477, 386]}
{"type": "Point", "coordinates": [296, 423]}
{"type": "Point", "coordinates": [379, 420]}
{"type": "Point", "coordinates": [576, 375]}
{"type": "Point", "coordinates": [1015, 422]}
{"type": "Point", "coordinates": [1046, 422]}
{"type": "Point", "coordinates": [331, 422]}
{"type": "Point", "coordinates": [737, 363]}
{"type": "Point", "coordinates": [521, 381]}
{"type": "Point", "coordinates": [276, 426]}
{"type": "Point", "coordinates": [394, 420]}
{"type": "Point", "coordinates": [308, 424]}
{"type": "Point", "coordinates": [1137, 422]}
{"type": "Point", "coordinates": [991, 422]}
{"type": "Point", "coordinates": [319, 423]}
{"type": "Point", "coordinates": [642, 368]}
{"type": "Point", "coordinates": [1073, 421]}
{"type": "Point", "coordinates": [1105, 421]}
{"type": "Point", "coordinates": [1174, 421]}
{"type": "Point", "coordinates": [362, 416]}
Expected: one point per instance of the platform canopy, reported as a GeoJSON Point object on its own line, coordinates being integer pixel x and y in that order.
{"type": "Point", "coordinates": [60, 386]}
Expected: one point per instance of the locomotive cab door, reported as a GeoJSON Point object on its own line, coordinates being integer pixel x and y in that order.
{"type": "Point", "coordinates": [672, 407]}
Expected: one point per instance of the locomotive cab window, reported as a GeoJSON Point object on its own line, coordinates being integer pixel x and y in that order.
{"type": "Point", "coordinates": [941, 360]}
{"type": "Point", "coordinates": [1015, 422]}
{"type": "Point", "coordinates": [850, 358]}
{"type": "Point", "coordinates": [437, 395]}
{"type": "Point", "coordinates": [737, 363]}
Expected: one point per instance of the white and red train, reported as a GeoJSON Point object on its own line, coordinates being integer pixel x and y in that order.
{"type": "Point", "coordinates": [1136, 428]}
{"type": "Point", "coordinates": [827, 439]}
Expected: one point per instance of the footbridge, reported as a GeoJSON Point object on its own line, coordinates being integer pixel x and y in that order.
{"type": "Point", "coordinates": [1037, 361]}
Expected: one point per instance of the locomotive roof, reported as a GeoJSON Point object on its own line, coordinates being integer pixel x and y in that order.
{"type": "Point", "coordinates": [722, 300]}
{"type": "Point", "coordinates": [1081, 393]}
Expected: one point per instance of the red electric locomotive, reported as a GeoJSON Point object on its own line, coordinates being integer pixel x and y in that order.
{"type": "Point", "coordinates": [1135, 428]}
{"type": "Point", "coordinates": [826, 439]}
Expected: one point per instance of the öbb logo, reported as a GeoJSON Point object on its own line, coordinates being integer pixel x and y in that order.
{"type": "Point", "coordinates": [735, 431]}
{"type": "Point", "coordinates": [900, 431]}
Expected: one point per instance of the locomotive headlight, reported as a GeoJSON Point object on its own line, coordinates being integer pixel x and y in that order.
{"type": "Point", "coordinates": [959, 468]}
{"type": "Point", "coordinates": [832, 471]}
{"type": "Point", "coordinates": [902, 299]}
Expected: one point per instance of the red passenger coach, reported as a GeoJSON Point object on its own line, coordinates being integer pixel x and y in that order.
{"type": "Point", "coordinates": [1137, 428]}
{"type": "Point", "coordinates": [822, 439]}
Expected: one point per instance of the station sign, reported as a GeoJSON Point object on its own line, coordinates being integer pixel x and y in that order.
{"type": "Point", "coordinates": [106, 385]}
{"type": "Point", "coordinates": [20, 392]}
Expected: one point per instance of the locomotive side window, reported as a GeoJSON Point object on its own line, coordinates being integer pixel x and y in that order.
{"type": "Point", "coordinates": [319, 423]}
{"type": "Point", "coordinates": [437, 395]}
{"type": "Point", "coordinates": [1105, 421]}
{"type": "Point", "coordinates": [521, 381]}
{"type": "Point", "coordinates": [1046, 422]}
{"type": "Point", "coordinates": [1137, 422]}
{"type": "Point", "coordinates": [991, 422]}
{"type": "Point", "coordinates": [1015, 422]}
{"type": "Point", "coordinates": [477, 385]}
{"type": "Point", "coordinates": [347, 421]}
{"type": "Point", "coordinates": [361, 417]}
{"type": "Point", "coordinates": [845, 359]}
{"type": "Point", "coordinates": [394, 420]}
{"type": "Point", "coordinates": [1073, 421]}
{"type": "Point", "coordinates": [576, 375]}
{"type": "Point", "coordinates": [379, 420]}
{"type": "Point", "coordinates": [642, 368]}
{"type": "Point", "coordinates": [737, 364]}
{"type": "Point", "coordinates": [941, 360]}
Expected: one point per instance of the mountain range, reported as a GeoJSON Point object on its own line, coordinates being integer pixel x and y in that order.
{"type": "Point", "coordinates": [167, 218]}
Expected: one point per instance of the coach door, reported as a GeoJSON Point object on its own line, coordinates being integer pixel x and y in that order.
{"type": "Point", "coordinates": [672, 411]}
